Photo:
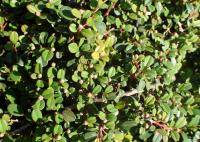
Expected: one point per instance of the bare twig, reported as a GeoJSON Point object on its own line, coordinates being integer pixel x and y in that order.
{"type": "Point", "coordinates": [159, 124]}
{"type": "Point", "coordinates": [101, 133]}
{"type": "Point", "coordinates": [110, 8]}
{"type": "Point", "coordinates": [3, 26]}
{"type": "Point", "coordinates": [81, 27]}
{"type": "Point", "coordinates": [112, 29]}
{"type": "Point", "coordinates": [129, 93]}
{"type": "Point", "coordinates": [20, 129]}
{"type": "Point", "coordinates": [132, 92]}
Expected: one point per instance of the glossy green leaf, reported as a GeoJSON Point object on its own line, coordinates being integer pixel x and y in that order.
{"type": "Point", "coordinates": [101, 27]}
{"type": "Point", "coordinates": [111, 72]}
{"type": "Point", "coordinates": [65, 12]}
{"type": "Point", "coordinates": [61, 74]}
{"type": "Point", "coordinates": [175, 135]}
{"type": "Point", "coordinates": [58, 130]}
{"type": "Point", "coordinates": [68, 115]}
{"type": "Point", "coordinates": [181, 122]}
{"type": "Point", "coordinates": [196, 23]}
{"type": "Point", "coordinates": [3, 126]}
{"type": "Point", "coordinates": [127, 125]}
{"type": "Point", "coordinates": [15, 76]}
{"type": "Point", "coordinates": [36, 114]}
{"type": "Point", "coordinates": [73, 47]}
{"type": "Point", "coordinates": [109, 89]}
{"type": "Point", "coordinates": [157, 137]}
{"type": "Point", "coordinates": [49, 92]}
{"type": "Point", "coordinates": [97, 89]}
{"type": "Point", "coordinates": [32, 9]}
{"type": "Point", "coordinates": [90, 135]}
{"type": "Point", "coordinates": [73, 28]}
{"type": "Point", "coordinates": [76, 13]}
{"type": "Point", "coordinates": [14, 37]}
{"type": "Point", "coordinates": [15, 110]}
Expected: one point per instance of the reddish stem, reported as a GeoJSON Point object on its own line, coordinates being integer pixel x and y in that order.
{"type": "Point", "coordinates": [110, 8]}
{"type": "Point", "coordinates": [164, 126]}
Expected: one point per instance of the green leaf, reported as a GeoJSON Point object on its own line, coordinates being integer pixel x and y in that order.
{"type": "Point", "coordinates": [103, 80]}
{"type": "Point", "coordinates": [15, 76]}
{"type": "Point", "coordinates": [61, 74]}
{"type": "Point", "coordinates": [157, 137]}
{"type": "Point", "coordinates": [97, 89]}
{"type": "Point", "coordinates": [127, 125]}
{"type": "Point", "coordinates": [109, 89]}
{"type": "Point", "coordinates": [47, 55]}
{"type": "Point", "coordinates": [32, 9]}
{"type": "Point", "coordinates": [119, 136]}
{"type": "Point", "coordinates": [3, 126]}
{"type": "Point", "coordinates": [141, 86]}
{"type": "Point", "coordinates": [90, 136]}
{"type": "Point", "coordinates": [84, 74]}
{"type": "Point", "coordinates": [95, 55]}
{"type": "Point", "coordinates": [36, 115]}
{"type": "Point", "coordinates": [43, 37]}
{"type": "Point", "coordinates": [73, 47]}
{"type": "Point", "coordinates": [91, 120]}
{"type": "Point", "coordinates": [87, 14]}
{"type": "Point", "coordinates": [111, 72]}
{"type": "Point", "coordinates": [195, 121]}
{"type": "Point", "coordinates": [181, 122]}
{"type": "Point", "coordinates": [150, 100]}
{"type": "Point", "coordinates": [102, 115]}
{"type": "Point", "coordinates": [14, 37]}
{"type": "Point", "coordinates": [111, 108]}
{"type": "Point", "coordinates": [148, 61]}
{"type": "Point", "coordinates": [75, 77]}
{"type": "Point", "coordinates": [159, 7]}
{"type": "Point", "coordinates": [196, 23]}
{"type": "Point", "coordinates": [65, 12]}
{"type": "Point", "coordinates": [175, 135]}
{"type": "Point", "coordinates": [38, 68]}
{"type": "Point", "coordinates": [76, 13]}
{"type": "Point", "coordinates": [51, 103]}
{"type": "Point", "coordinates": [100, 26]}
{"type": "Point", "coordinates": [15, 109]}
{"type": "Point", "coordinates": [58, 130]}
{"type": "Point", "coordinates": [50, 72]}
{"type": "Point", "coordinates": [185, 137]}
{"type": "Point", "coordinates": [40, 83]}
{"type": "Point", "coordinates": [73, 28]}
{"type": "Point", "coordinates": [39, 104]}
{"type": "Point", "coordinates": [87, 33]}
{"type": "Point", "coordinates": [68, 115]}
{"type": "Point", "coordinates": [165, 107]}
{"type": "Point", "coordinates": [49, 92]}
{"type": "Point", "coordinates": [85, 47]}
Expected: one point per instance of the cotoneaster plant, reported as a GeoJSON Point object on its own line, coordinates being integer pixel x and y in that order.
{"type": "Point", "coordinates": [99, 70]}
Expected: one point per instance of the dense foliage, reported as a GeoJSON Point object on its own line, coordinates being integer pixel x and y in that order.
{"type": "Point", "coordinates": [99, 70]}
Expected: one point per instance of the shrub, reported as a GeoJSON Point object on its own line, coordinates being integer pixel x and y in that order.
{"type": "Point", "coordinates": [99, 70]}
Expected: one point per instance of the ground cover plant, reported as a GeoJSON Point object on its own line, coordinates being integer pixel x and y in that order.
{"type": "Point", "coordinates": [99, 70]}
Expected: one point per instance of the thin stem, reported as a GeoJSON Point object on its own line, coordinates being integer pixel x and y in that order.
{"type": "Point", "coordinates": [20, 129]}
{"type": "Point", "coordinates": [110, 8]}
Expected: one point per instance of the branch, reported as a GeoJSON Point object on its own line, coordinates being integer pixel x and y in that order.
{"type": "Point", "coordinates": [163, 126]}
{"type": "Point", "coordinates": [112, 29]}
{"type": "Point", "coordinates": [132, 92]}
{"type": "Point", "coordinates": [110, 8]}
{"type": "Point", "coordinates": [129, 93]}
{"type": "Point", "coordinates": [81, 27]}
{"type": "Point", "coordinates": [20, 129]}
